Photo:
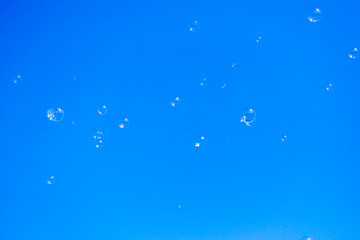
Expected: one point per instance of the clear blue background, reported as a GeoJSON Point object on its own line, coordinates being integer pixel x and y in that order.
{"type": "Point", "coordinates": [134, 57]}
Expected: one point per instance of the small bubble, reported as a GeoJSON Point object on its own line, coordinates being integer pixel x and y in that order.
{"type": "Point", "coordinates": [17, 79]}
{"type": "Point", "coordinates": [124, 123]}
{"type": "Point", "coordinates": [248, 117]}
{"type": "Point", "coordinates": [98, 139]}
{"type": "Point", "coordinates": [73, 122]}
{"type": "Point", "coordinates": [102, 110]}
{"type": "Point", "coordinates": [179, 206]}
{"type": "Point", "coordinates": [354, 53]}
{"type": "Point", "coordinates": [306, 238]}
{"type": "Point", "coordinates": [74, 78]}
{"type": "Point", "coordinates": [233, 65]}
{"type": "Point", "coordinates": [51, 180]}
{"type": "Point", "coordinates": [200, 141]}
{"type": "Point", "coordinates": [258, 39]}
{"type": "Point", "coordinates": [203, 82]}
{"type": "Point", "coordinates": [223, 86]}
{"type": "Point", "coordinates": [315, 15]}
{"type": "Point", "coordinates": [175, 102]}
{"type": "Point", "coordinates": [284, 138]}
{"type": "Point", "coordinates": [328, 87]}
{"type": "Point", "coordinates": [194, 26]}
{"type": "Point", "coordinates": [55, 114]}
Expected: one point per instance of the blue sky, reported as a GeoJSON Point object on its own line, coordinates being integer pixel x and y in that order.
{"type": "Point", "coordinates": [135, 58]}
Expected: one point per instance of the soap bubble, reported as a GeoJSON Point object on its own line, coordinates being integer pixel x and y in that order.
{"type": "Point", "coordinates": [124, 123]}
{"type": "Point", "coordinates": [258, 39]}
{"type": "Point", "coordinates": [17, 79]}
{"type": "Point", "coordinates": [354, 53]}
{"type": "Point", "coordinates": [102, 110]}
{"type": "Point", "coordinates": [98, 139]}
{"type": "Point", "coordinates": [175, 102]}
{"type": "Point", "coordinates": [315, 15]}
{"type": "Point", "coordinates": [51, 180]}
{"type": "Point", "coordinates": [248, 117]}
{"type": "Point", "coordinates": [55, 114]}
{"type": "Point", "coordinates": [284, 138]}
{"type": "Point", "coordinates": [203, 82]}
{"type": "Point", "coordinates": [328, 87]}
{"type": "Point", "coordinates": [194, 26]}
{"type": "Point", "coordinates": [200, 141]}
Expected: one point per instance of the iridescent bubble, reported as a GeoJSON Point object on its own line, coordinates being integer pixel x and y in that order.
{"type": "Point", "coordinates": [248, 117]}
{"type": "Point", "coordinates": [98, 139]}
{"type": "Point", "coordinates": [17, 79]}
{"type": "Point", "coordinates": [328, 87]}
{"type": "Point", "coordinates": [55, 114]}
{"type": "Point", "coordinates": [51, 180]}
{"type": "Point", "coordinates": [200, 141]}
{"type": "Point", "coordinates": [354, 53]}
{"type": "Point", "coordinates": [175, 102]}
{"type": "Point", "coordinates": [102, 110]}
{"type": "Point", "coordinates": [284, 138]}
{"type": "Point", "coordinates": [315, 15]}
{"type": "Point", "coordinates": [194, 26]}
{"type": "Point", "coordinates": [124, 123]}
{"type": "Point", "coordinates": [203, 82]}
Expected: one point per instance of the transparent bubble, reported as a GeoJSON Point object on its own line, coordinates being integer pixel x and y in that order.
{"type": "Point", "coordinates": [354, 53]}
{"type": "Point", "coordinates": [175, 102]}
{"type": "Point", "coordinates": [124, 123]}
{"type": "Point", "coordinates": [17, 79]}
{"type": "Point", "coordinates": [203, 82]}
{"type": "Point", "coordinates": [329, 86]}
{"type": "Point", "coordinates": [55, 114]}
{"type": "Point", "coordinates": [258, 39]}
{"type": "Point", "coordinates": [315, 15]}
{"type": "Point", "coordinates": [102, 110]}
{"type": "Point", "coordinates": [98, 139]}
{"type": "Point", "coordinates": [194, 26]}
{"type": "Point", "coordinates": [284, 138]}
{"type": "Point", "coordinates": [200, 141]}
{"type": "Point", "coordinates": [223, 86]}
{"type": "Point", "coordinates": [51, 180]}
{"type": "Point", "coordinates": [248, 117]}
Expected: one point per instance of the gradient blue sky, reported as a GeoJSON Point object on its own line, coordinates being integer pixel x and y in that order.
{"type": "Point", "coordinates": [135, 57]}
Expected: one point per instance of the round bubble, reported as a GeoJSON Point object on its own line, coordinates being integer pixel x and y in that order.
{"type": "Point", "coordinates": [98, 139]}
{"type": "Point", "coordinates": [315, 15]}
{"type": "Point", "coordinates": [55, 114]}
{"type": "Point", "coordinates": [102, 110]}
{"type": "Point", "coordinates": [203, 82]}
{"type": "Point", "coordinates": [200, 141]}
{"type": "Point", "coordinates": [329, 86]}
{"type": "Point", "coordinates": [194, 26]}
{"type": "Point", "coordinates": [124, 123]}
{"type": "Point", "coordinates": [284, 138]}
{"type": "Point", "coordinates": [248, 117]}
{"type": "Point", "coordinates": [51, 180]}
{"type": "Point", "coordinates": [354, 53]}
{"type": "Point", "coordinates": [175, 102]}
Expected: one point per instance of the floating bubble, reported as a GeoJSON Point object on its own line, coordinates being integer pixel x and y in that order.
{"type": "Point", "coordinates": [306, 238]}
{"type": "Point", "coordinates": [248, 117]}
{"type": "Point", "coordinates": [315, 15]}
{"type": "Point", "coordinates": [55, 114]}
{"type": "Point", "coordinates": [200, 141]}
{"type": "Point", "coordinates": [74, 78]}
{"type": "Point", "coordinates": [124, 123]}
{"type": "Point", "coordinates": [284, 138]}
{"type": "Point", "coordinates": [51, 180]}
{"type": "Point", "coordinates": [17, 79]}
{"type": "Point", "coordinates": [203, 82]}
{"type": "Point", "coordinates": [175, 102]}
{"type": "Point", "coordinates": [102, 110]}
{"type": "Point", "coordinates": [98, 139]}
{"type": "Point", "coordinates": [194, 26]}
{"type": "Point", "coordinates": [223, 86]}
{"type": "Point", "coordinates": [328, 87]}
{"type": "Point", "coordinates": [233, 65]}
{"type": "Point", "coordinates": [258, 39]}
{"type": "Point", "coordinates": [354, 53]}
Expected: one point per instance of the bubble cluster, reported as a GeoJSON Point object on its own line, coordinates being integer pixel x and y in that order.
{"type": "Point", "coordinates": [51, 180]}
{"type": "Point", "coordinates": [248, 117]}
{"type": "Point", "coordinates": [328, 87]}
{"type": "Point", "coordinates": [194, 26]}
{"type": "Point", "coordinates": [200, 141]}
{"type": "Point", "coordinates": [175, 102]}
{"type": "Point", "coordinates": [203, 82]}
{"type": "Point", "coordinates": [124, 123]}
{"type": "Point", "coordinates": [17, 79]}
{"type": "Point", "coordinates": [354, 53]}
{"type": "Point", "coordinates": [315, 15]}
{"type": "Point", "coordinates": [284, 138]}
{"type": "Point", "coordinates": [55, 114]}
{"type": "Point", "coordinates": [258, 39]}
{"type": "Point", "coordinates": [223, 86]}
{"type": "Point", "coordinates": [98, 139]}
{"type": "Point", "coordinates": [102, 110]}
